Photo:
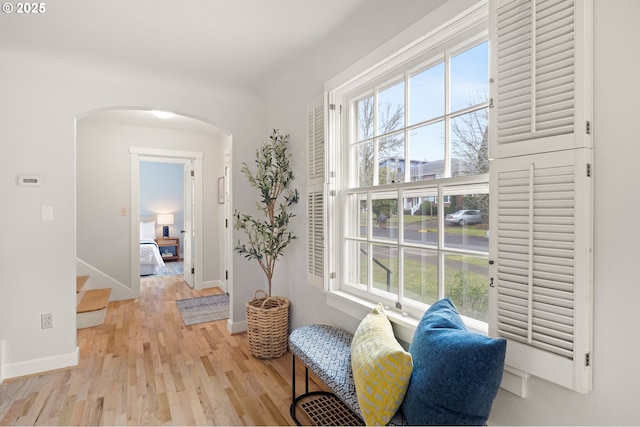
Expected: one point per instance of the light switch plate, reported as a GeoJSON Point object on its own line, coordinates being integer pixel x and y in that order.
{"type": "Point", "coordinates": [47, 213]}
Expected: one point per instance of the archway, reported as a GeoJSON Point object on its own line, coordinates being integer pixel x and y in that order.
{"type": "Point", "coordinates": [107, 220]}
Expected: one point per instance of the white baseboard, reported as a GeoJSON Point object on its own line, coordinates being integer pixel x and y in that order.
{"type": "Point", "coordinates": [214, 284]}
{"type": "Point", "coordinates": [236, 327]}
{"type": "Point", "coordinates": [37, 366]}
{"type": "Point", "coordinates": [1, 360]}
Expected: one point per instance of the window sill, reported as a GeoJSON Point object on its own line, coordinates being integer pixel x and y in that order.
{"type": "Point", "coordinates": [404, 327]}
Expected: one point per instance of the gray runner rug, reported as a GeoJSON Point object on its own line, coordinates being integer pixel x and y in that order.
{"type": "Point", "coordinates": [204, 309]}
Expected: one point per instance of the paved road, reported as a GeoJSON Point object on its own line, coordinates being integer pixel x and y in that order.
{"type": "Point", "coordinates": [456, 241]}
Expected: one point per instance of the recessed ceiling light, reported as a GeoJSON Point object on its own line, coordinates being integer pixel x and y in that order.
{"type": "Point", "coordinates": [162, 114]}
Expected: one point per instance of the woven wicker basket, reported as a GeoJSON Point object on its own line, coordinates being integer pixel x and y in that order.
{"type": "Point", "coordinates": [268, 326]}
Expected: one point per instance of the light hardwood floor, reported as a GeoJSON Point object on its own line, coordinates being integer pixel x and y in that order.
{"type": "Point", "coordinates": [145, 367]}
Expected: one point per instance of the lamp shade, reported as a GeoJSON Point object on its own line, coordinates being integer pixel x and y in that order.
{"type": "Point", "coordinates": [165, 219]}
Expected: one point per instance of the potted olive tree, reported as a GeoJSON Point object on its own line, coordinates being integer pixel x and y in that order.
{"type": "Point", "coordinates": [267, 237]}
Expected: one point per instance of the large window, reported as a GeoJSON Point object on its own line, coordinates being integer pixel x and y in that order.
{"type": "Point", "coordinates": [416, 196]}
{"type": "Point", "coordinates": [408, 205]}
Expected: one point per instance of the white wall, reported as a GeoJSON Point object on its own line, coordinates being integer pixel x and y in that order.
{"type": "Point", "coordinates": [614, 399]}
{"type": "Point", "coordinates": [41, 98]}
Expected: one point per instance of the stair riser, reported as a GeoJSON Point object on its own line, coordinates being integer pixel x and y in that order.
{"type": "Point", "coordinates": [91, 318]}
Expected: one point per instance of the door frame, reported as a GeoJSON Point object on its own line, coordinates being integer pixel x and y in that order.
{"type": "Point", "coordinates": [188, 202]}
{"type": "Point", "coordinates": [139, 154]}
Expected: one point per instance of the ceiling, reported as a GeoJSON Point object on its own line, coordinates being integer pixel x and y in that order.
{"type": "Point", "coordinates": [239, 41]}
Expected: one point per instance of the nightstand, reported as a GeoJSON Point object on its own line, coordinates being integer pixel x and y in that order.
{"type": "Point", "coordinates": [169, 248]}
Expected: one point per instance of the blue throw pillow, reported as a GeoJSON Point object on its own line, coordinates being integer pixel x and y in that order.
{"type": "Point", "coordinates": [456, 373]}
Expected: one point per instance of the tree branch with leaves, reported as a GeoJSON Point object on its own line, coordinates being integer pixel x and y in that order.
{"type": "Point", "coordinates": [268, 234]}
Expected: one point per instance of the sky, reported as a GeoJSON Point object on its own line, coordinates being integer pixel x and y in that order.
{"type": "Point", "coordinates": [469, 75]}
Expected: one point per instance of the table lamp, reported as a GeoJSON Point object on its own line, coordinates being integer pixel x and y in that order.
{"type": "Point", "coordinates": [165, 220]}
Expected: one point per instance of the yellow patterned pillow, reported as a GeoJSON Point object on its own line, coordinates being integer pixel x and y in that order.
{"type": "Point", "coordinates": [381, 368]}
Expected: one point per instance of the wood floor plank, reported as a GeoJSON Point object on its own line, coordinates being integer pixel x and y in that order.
{"type": "Point", "coordinates": [143, 366]}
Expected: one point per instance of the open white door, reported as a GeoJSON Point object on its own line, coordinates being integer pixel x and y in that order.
{"type": "Point", "coordinates": [188, 233]}
{"type": "Point", "coordinates": [227, 222]}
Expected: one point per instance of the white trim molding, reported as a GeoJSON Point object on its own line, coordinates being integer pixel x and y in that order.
{"type": "Point", "coordinates": [45, 364]}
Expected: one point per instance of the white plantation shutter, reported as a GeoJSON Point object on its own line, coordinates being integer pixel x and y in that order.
{"type": "Point", "coordinates": [541, 189]}
{"type": "Point", "coordinates": [542, 252]}
{"type": "Point", "coordinates": [315, 142]}
{"type": "Point", "coordinates": [539, 68]}
{"type": "Point", "coordinates": [315, 203]}
{"type": "Point", "coordinates": [315, 192]}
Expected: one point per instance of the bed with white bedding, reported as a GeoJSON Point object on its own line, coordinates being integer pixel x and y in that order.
{"type": "Point", "coordinates": [150, 259]}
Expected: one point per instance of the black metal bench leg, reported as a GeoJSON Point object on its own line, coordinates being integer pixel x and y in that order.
{"type": "Point", "coordinates": [306, 380]}
{"type": "Point", "coordinates": [295, 399]}
{"type": "Point", "coordinates": [293, 377]}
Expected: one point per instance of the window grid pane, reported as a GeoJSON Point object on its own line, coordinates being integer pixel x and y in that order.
{"type": "Point", "coordinates": [427, 94]}
{"type": "Point", "coordinates": [391, 164]}
{"type": "Point", "coordinates": [420, 225]}
{"type": "Point", "coordinates": [390, 111]}
{"type": "Point", "coordinates": [426, 151]}
{"type": "Point", "coordinates": [364, 127]}
{"type": "Point", "coordinates": [469, 74]}
{"type": "Point", "coordinates": [420, 275]}
{"type": "Point", "coordinates": [385, 269]}
{"type": "Point", "coordinates": [466, 284]}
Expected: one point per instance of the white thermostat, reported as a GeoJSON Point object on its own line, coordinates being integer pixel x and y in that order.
{"type": "Point", "coordinates": [31, 180]}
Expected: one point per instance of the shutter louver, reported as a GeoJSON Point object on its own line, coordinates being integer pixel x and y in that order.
{"type": "Point", "coordinates": [315, 203]}
{"type": "Point", "coordinates": [536, 252]}
{"type": "Point", "coordinates": [315, 154]}
{"type": "Point", "coordinates": [315, 192]}
{"type": "Point", "coordinates": [535, 88]}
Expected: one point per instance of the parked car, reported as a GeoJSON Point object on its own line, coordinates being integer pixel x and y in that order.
{"type": "Point", "coordinates": [464, 217]}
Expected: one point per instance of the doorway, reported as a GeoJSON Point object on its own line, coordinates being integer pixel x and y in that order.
{"type": "Point", "coordinates": [164, 187]}
{"type": "Point", "coordinates": [191, 229]}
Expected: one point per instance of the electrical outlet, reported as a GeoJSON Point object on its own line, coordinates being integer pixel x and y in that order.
{"type": "Point", "coordinates": [46, 320]}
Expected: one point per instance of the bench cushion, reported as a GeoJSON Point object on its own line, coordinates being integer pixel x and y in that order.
{"type": "Point", "coordinates": [381, 368]}
{"type": "Point", "coordinates": [326, 351]}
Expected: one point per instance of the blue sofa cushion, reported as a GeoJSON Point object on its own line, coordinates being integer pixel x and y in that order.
{"type": "Point", "coordinates": [456, 373]}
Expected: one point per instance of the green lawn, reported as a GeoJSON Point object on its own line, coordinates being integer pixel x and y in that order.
{"type": "Point", "coordinates": [468, 290]}
{"type": "Point", "coordinates": [464, 284]}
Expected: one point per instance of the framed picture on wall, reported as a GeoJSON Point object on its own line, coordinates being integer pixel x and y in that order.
{"type": "Point", "coordinates": [221, 190]}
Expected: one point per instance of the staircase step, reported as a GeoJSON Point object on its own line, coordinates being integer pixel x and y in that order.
{"type": "Point", "coordinates": [80, 281]}
{"type": "Point", "coordinates": [92, 309]}
{"type": "Point", "coordinates": [94, 299]}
